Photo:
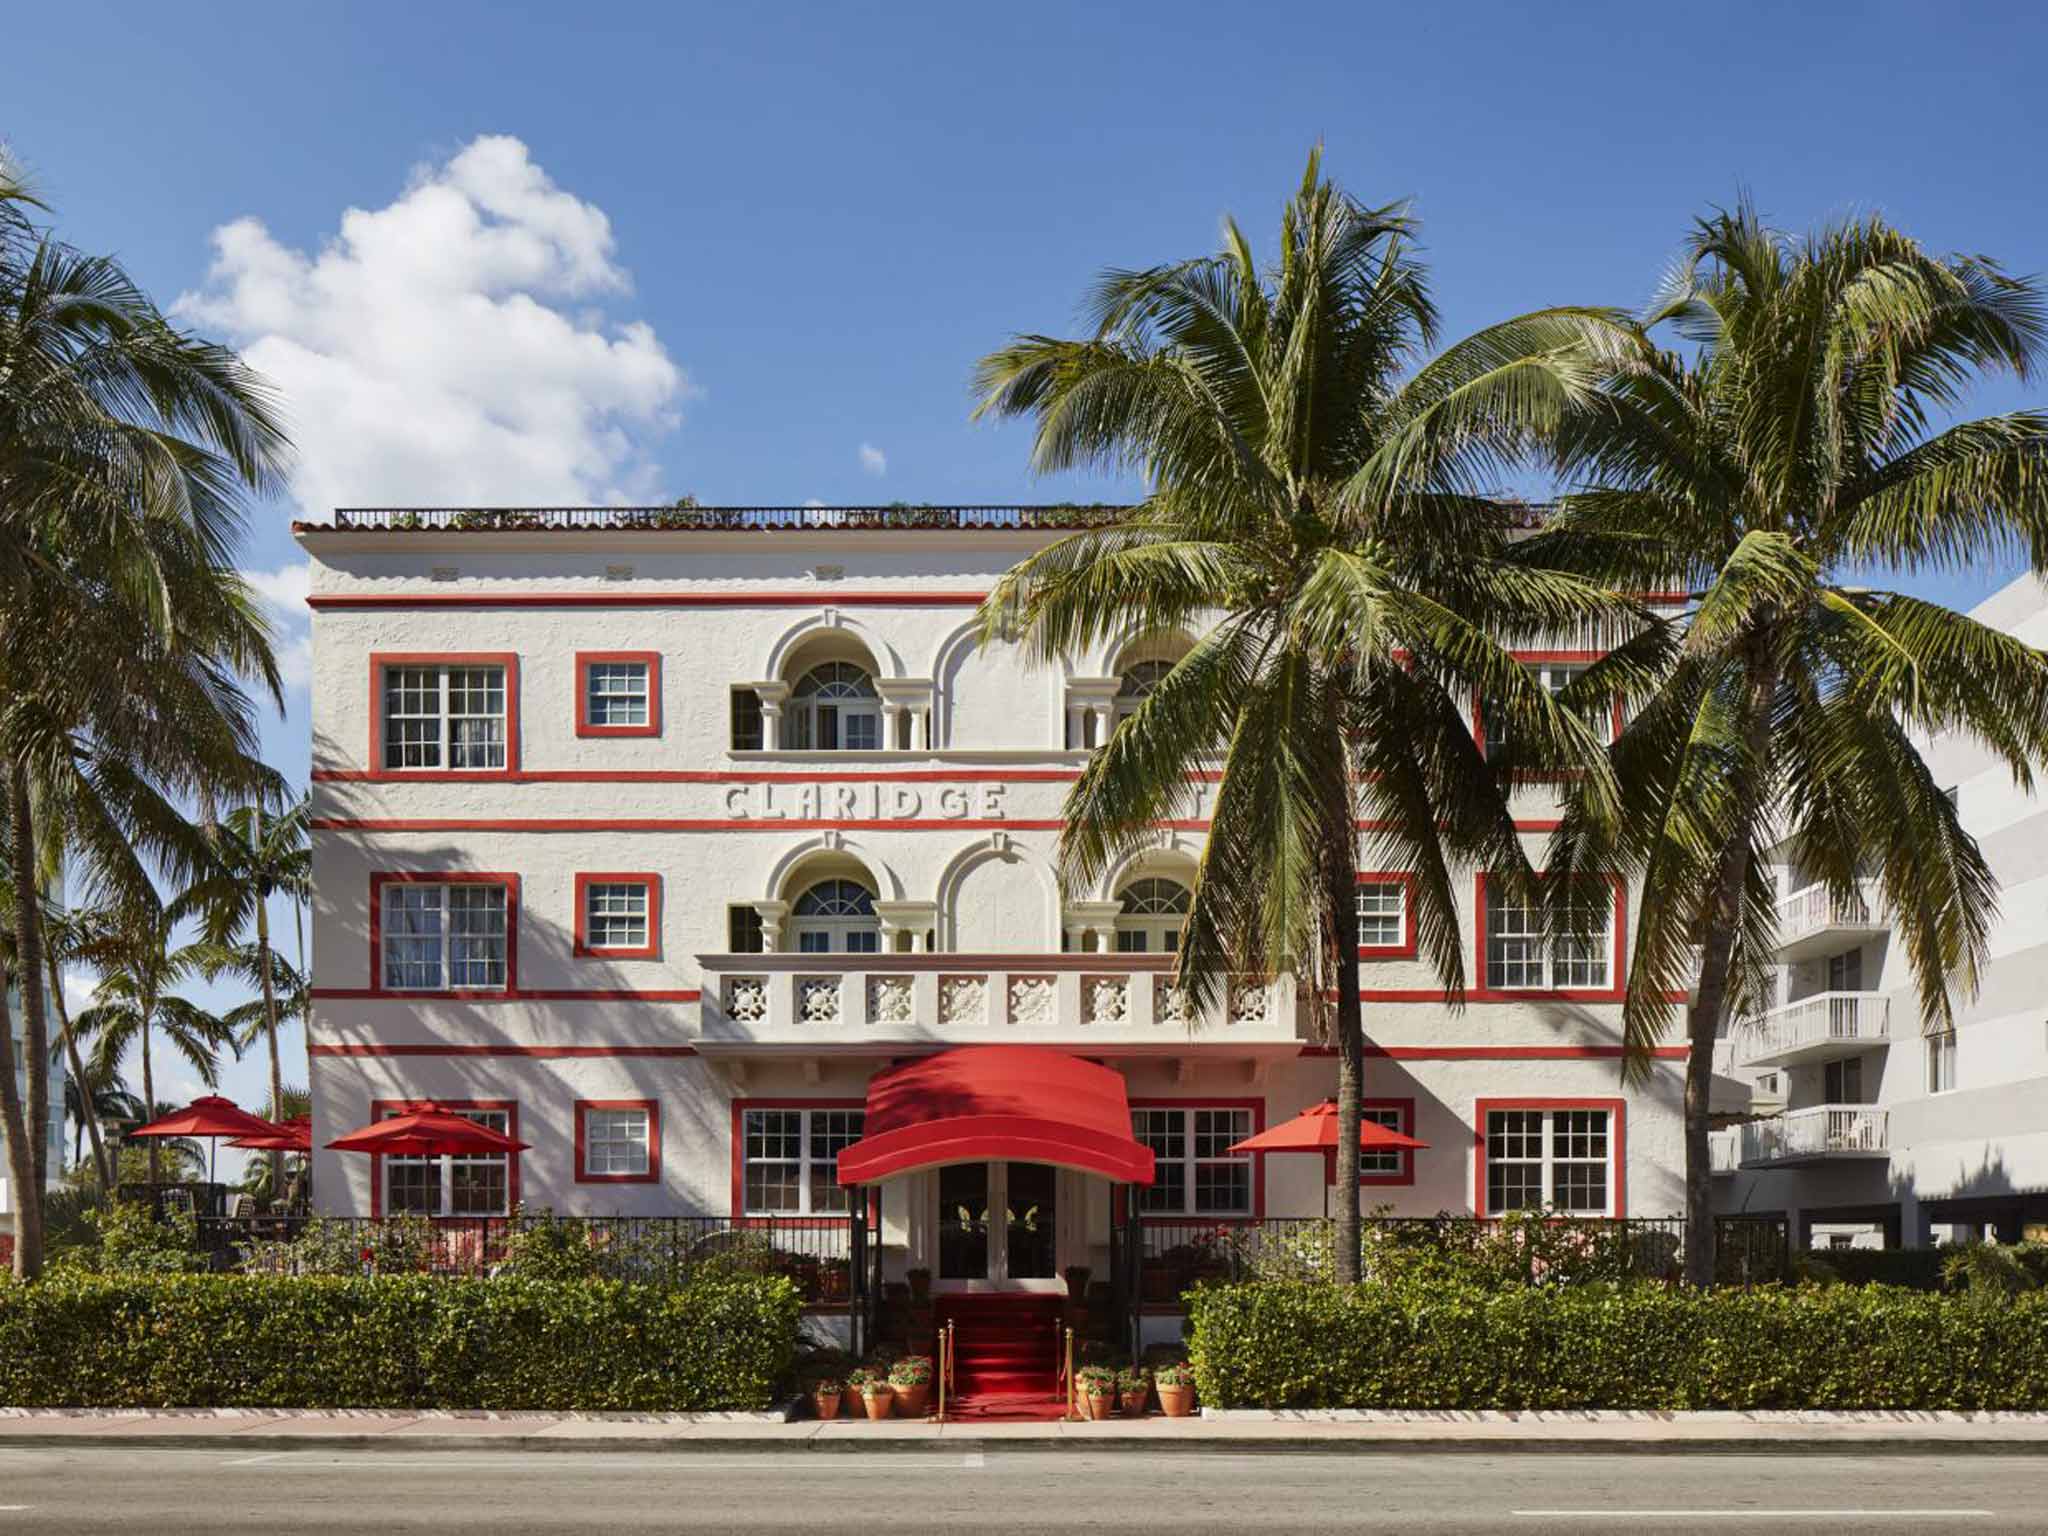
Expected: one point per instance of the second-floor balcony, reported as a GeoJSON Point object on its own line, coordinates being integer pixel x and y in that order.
{"type": "Point", "coordinates": [1817, 1134]}
{"type": "Point", "coordinates": [852, 1003]}
{"type": "Point", "coordinates": [1724, 1151]}
{"type": "Point", "coordinates": [1824, 1027]}
{"type": "Point", "coordinates": [1816, 921]}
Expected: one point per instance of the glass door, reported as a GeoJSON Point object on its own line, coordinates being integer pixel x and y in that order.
{"type": "Point", "coordinates": [1030, 1204]}
{"type": "Point", "coordinates": [963, 1222]}
{"type": "Point", "coordinates": [998, 1226]}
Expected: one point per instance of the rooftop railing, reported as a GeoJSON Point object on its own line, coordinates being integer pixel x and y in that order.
{"type": "Point", "coordinates": [720, 519]}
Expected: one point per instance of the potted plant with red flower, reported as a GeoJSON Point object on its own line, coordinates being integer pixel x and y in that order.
{"type": "Point", "coordinates": [1098, 1389]}
{"type": "Point", "coordinates": [1134, 1390]}
{"type": "Point", "coordinates": [912, 1379]}
{"type": "Point", "coordinates": [1175, 1385]}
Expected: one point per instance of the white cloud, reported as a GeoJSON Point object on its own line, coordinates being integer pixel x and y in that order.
{"type": "Point", "coordinates": [81, 991]}
{"type": "Point", "coordinates": [873, 460]}
{"type": "Point", "coordinates": [284, 593]}
{"type": "Point", "coordinates": [446, 347]}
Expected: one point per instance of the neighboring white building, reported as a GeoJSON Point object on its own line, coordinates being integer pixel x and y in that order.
{"type": "Point", "coordinates": [19, 1022]}
{"type": "Point", "coordinates": [1893, 1132]}
{"type": "Point", "coordinates": [655, 845]}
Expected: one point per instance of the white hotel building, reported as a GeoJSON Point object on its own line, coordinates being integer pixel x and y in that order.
{"type": "Point", "coordinates": [656, 844]}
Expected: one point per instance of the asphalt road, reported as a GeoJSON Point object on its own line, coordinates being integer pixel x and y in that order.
{"type": "Point", "coordinates": [130, 1488]}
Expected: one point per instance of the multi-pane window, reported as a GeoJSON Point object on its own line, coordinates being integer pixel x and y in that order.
{"type": "Point", "coordinates": [1557, 1159]}
{"type": "Point", "coordinates": [1136, 685]}
{"type": "Point", "coordinates": [446, 717]}
{"type": "Point", "coordinates": [451, 1186]}
{"type": "Point", "coordinates": [438, 938]}
{"type": "Point", "coordinates": [1194, 1172]}
{"type": "Point", "coordinates": [1384, 1163]}
{"type": "Point", "coordinates": [1153, 913]}
{"type": "Point", "coordinates": [616, 914]}
{"type": "Point", "coordinates": [616, 694]}
{"type": "Point", "coordinates": [1941, 1062]}
{"type": "Point", "coordinates": [833, 708]}
{"type": "Point", "coordinates": [837, 917]}
{"type": "Point", "coordinates": [1522, 954]}
{"type": "Point", "coordinates": [617, 1141]}
{"type": "Point", "coordinates": [1554, 677]}
{"type": "Point", "coordinates": [790, 1160]}
{"type": "Point", "coordinates": [1382, 914]}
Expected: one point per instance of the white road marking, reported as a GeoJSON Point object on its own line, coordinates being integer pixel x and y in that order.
{"type": "Point", "coordinates": [881, 1461]}
{"type": "Point", "coordinates": [257, 1461]}
{"type": "Point", "coordinates": [1755, 1514]}
{"type": "Point", "coordinates": [14, 1509]}
{"type": "Point", "coordinates": [974, 1461]}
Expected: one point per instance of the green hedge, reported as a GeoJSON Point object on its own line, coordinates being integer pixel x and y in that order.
{"type": "Point", "coordinates": [1322, 1346]}
{"type": "Point", "coordinates": [203, 1341]}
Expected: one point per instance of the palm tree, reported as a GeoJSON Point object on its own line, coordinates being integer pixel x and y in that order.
{"type": "Point", "coordinates": [140, 961]}
{"type": "Point", "coordinates": [1318, 520]}
{"type": "Point", "coordinates": [126, 449]}
{"type": "Point", "coordinates": [274, 1179]}
{"type": "Point", "coordinates": [1766, 472]}
{"type": "Point", "coordinates": [251, 861]}
{"type": "Point", "coordinates": [90, 1103]}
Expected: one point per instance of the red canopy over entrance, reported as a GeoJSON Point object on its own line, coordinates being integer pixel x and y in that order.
{"type": "Point", "coordinates": [983, 1102]}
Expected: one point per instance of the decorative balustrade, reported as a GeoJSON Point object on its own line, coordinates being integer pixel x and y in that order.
{"type": "Point", "coordinates": [1823, 1027]}
{"type": "Point", "coordinates": [1816, 1133]}
{"type": "Point", "coordinates": [796, 1000]}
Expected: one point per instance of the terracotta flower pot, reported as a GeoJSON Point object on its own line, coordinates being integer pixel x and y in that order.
{"type": "Point", "coordinates": [1135, 1402]}
{"type": "Point", "coordinates": [911, 1402]}
{"type": "Point", "coordinates": [1100, 1404]}
{"type": "Point", "coordinates": [826, 1404]}
{"type": "Point", "coordinates": [878, 1401]}
{"type": "Point", "coordinates": [1176, 1402]}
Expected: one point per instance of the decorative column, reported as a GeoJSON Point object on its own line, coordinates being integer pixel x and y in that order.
{"type": "Point", "coordinates": [773, 696]}
{"type": "Point", "coordinates": [772, 915]}
{"type": "Point", "coordinates": [1092, 698]}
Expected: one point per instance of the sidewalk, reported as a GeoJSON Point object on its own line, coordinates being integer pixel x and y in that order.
{"type": "Point", "coordinates": [1336, 1430]}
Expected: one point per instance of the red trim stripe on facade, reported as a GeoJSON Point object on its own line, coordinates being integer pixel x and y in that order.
{"type": "Point", "coordinates": [346, 600]}
{"type": "Point", "coordinates": [527, 1052]}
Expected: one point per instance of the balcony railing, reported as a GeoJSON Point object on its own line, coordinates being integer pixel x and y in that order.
{"type": "Point", "coordinates": [1815, 911]}
{"type": "Point", "coordinates": [1823, 1027]}
{"type": "Point", "coordinates": [1816, 1134]}
{"type": "Point", "coordinates": [811, 1000]}
{"type": "Point", "coordinates": [719, 519]}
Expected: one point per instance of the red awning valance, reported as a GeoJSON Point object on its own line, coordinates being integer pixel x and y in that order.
{"type": "Point", "coordinates": [997, 1101]}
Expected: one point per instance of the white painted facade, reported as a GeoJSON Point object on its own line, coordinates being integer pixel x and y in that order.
{"type": "Point", "coordinates": [949, 824]}
{"type": "Point", "coordinates": [1891, 1133]}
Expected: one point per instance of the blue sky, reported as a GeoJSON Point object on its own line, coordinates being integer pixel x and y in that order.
{"type": "Point", "coordinates": [751, 253]}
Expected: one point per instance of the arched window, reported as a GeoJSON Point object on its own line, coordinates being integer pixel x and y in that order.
{"type": "Point", "coordinates": [1138, 681]}
{"type": "Point", "coordinates": [834, 708]}
{"type": "Point", "coordinates": [1154, 911]}
{"type": "Point", "coordinates": [837, 917]}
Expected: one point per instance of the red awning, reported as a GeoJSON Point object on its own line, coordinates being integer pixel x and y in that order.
{"type": "Point", "coordinates": [997, 1101]}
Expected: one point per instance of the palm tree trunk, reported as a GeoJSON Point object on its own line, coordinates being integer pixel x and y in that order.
{"type": "Point", "coordinates": [270, 1027]}
{"type": "Point", "coordinates": [76, 1067]}
{"type": "Point", "coordinates": [28, 954]}
{"type": "Point", "coordinates": [20, 1164]}
{"type": "Point", "coordinates": [149, 1105]}
{"type": "Point", "coordinates": [1704, 1020]}
{"type": "Point", "coordinates": [1341, 898]}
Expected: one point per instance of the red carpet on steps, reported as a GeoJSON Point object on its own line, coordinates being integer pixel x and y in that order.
{"type": "Point", "coordinates": [1008, 1351]}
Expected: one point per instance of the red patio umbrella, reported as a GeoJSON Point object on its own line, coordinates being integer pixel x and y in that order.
{"type": "Point", "coordinates": [427, 1133]}
{"type": "Point", "coordinates": [1315, 1130]}
{"type": "Point", "coordinates": [210, 1116]}
{"type": "Point", "coordinates": [293, 1135]}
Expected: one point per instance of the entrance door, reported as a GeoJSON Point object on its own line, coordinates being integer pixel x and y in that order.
{"type": "Point", "coordinates": [998, 1226]}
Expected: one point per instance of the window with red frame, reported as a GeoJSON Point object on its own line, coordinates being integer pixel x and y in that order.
{"type": "Point", "coordinates": [618, 693]}
{"type": "Point", "coordinates": [441, 716]}
{"type": "Point", "coordinates": [450, 1186]}
{"type": "Point", "coordinates": [1194, 1172]}
{"type": "Point", "coordinates": [1528, 950]}
{"type": "Point", "coordinates": [618, 914]}
{"type": "Point", "coordinates": [1383, 914]}
{"type": "Point", "coordinates": [1558, 1159]}
{"type": "Point", "coordinates": [617, 1140]}
{"type": "Point", "coordinates": [790, 1160]}
{"type": "Point", "coordinates": [434, 937]}
{"type": "Point", "coordinates": [1388, 1165]}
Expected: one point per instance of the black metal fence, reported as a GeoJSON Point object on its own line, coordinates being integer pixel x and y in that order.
{"type": "Point", "coordinates": [818, 1256]}
{"type": "Point", "coordinates": [1533, 1250]}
